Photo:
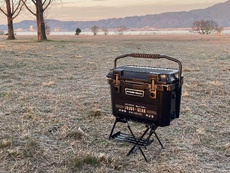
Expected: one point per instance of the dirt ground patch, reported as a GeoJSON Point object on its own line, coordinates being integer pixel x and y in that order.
{"type": "Point", "coordinates": [55, 105]}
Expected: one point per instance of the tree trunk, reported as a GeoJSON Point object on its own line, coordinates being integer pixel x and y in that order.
{"type": "Point", "coordinates": [10, 29]}
{"type": "Point", "coordinates": [10, 22]}
{"type": "Point", "coordinates": [41, 31]}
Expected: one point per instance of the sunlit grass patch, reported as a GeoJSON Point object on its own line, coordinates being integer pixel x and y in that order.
{"type": "Point", "coordinates": [48, 84]}
{"type": "Point", "coordinates": [5, 142]}
{"type": "Point", "coordinates": [216, 83]}
{"type": "Point", "coordinates": [78, 162]}
{"type": "Point", "coordinates": [186, 69]}
{"type": "Point", "coordinates": [31, 148]}
{"type": "Point", "coordinates": [96, 113]}
{"type": "Point", "coordinates": [76, 134]}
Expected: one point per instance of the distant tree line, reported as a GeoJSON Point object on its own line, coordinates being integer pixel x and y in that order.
{"type": "Point", "coordinates": [95, 29]}
{"type": "Point", "coordinates": [119, 30]}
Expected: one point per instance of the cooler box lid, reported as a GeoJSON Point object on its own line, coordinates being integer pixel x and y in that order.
{"type": "Point", "coordinates": [144, 74]}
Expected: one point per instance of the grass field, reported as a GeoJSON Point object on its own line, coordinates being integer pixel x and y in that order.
{"type": "Point", "coordinates": [55, 107]}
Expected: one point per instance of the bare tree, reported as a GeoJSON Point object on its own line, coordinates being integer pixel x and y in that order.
{"type": "Point", "coordinates": [48, 30]}
{"type": "Point", "coordinates": [120, 30]}
{"type": "Point", "coordinates": [11, 11]}
{"type": "Point", "coordinates": [204, 26]}
{"type": "Point", "coordinates": [38, 11]}
{"type": "Point", "coordinates": [105, 30]}
{"type": "Point", "coordinates": [95, 30]}
{"type": "Point", "coordinates": [219, 30]}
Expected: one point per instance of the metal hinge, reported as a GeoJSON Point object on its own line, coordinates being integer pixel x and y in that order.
{"type": "Point", "coordinates": [117, 83]}
{"type": "Point", "coordinates": [152, 89]}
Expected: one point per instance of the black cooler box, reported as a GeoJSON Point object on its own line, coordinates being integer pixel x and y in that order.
{"type": "Point", "coordinates": [146, 94]}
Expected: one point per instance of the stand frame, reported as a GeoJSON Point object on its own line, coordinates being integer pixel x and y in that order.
{"type": "Point", "coordinates": [132, 139]}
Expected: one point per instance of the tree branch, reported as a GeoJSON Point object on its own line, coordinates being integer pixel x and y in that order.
{"type": "Point", "coordinates": [47, 4]}
{"type": "Point", "coordinates": [24, 2]}
{"type": "Point", "coordinates": [12, 6]}
{"type": "Point", "coordinates": [34, 1]}
{"type": "Point", "coordinates": [3, 11]}
{"type": "Point", "coordinates": [18, 10]}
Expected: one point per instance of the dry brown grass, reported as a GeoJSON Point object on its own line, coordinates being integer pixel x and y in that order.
{"type": "Point", "coordinates": [56, 115]}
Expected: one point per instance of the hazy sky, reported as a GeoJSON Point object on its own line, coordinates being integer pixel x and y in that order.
{"type": "Point", "coordinates": [84, 10]}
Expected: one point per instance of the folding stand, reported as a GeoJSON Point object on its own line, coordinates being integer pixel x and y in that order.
{"type": "Point", "coordinates": [138, 142]}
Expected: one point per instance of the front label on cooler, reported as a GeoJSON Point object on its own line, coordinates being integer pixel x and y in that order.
{"type": "Point", "coordinates": [134, 92]}
{"type": "Point", "coordinates": [145, 111]}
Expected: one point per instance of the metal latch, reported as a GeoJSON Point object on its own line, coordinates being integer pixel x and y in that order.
{"type": "Point", "coordinates": [117, 83]}
{"type": "Point", "coordinates": [152, 89]}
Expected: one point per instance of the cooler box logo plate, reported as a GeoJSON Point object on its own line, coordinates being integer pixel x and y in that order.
{"type": "Point", "coordinates": [134, 92]}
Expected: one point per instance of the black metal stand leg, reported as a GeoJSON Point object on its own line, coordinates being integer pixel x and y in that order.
{"type": "Point", "coordinates": [137, 142]}
{"type": "Point", "coordinates": [113, 128]}
{"type": "Point", "coordinates": [131, 150]}
{"type": "Point", "coordinates": [153, 128]}
{"type": "Point", "coordinates": [158, 139]}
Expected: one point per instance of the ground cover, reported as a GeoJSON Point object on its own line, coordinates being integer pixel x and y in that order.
{"type": "Point", "coordinates": [55, 110]}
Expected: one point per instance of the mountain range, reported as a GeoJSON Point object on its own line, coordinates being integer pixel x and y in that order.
{"type": "Point", "coordinates": [219, 13]}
